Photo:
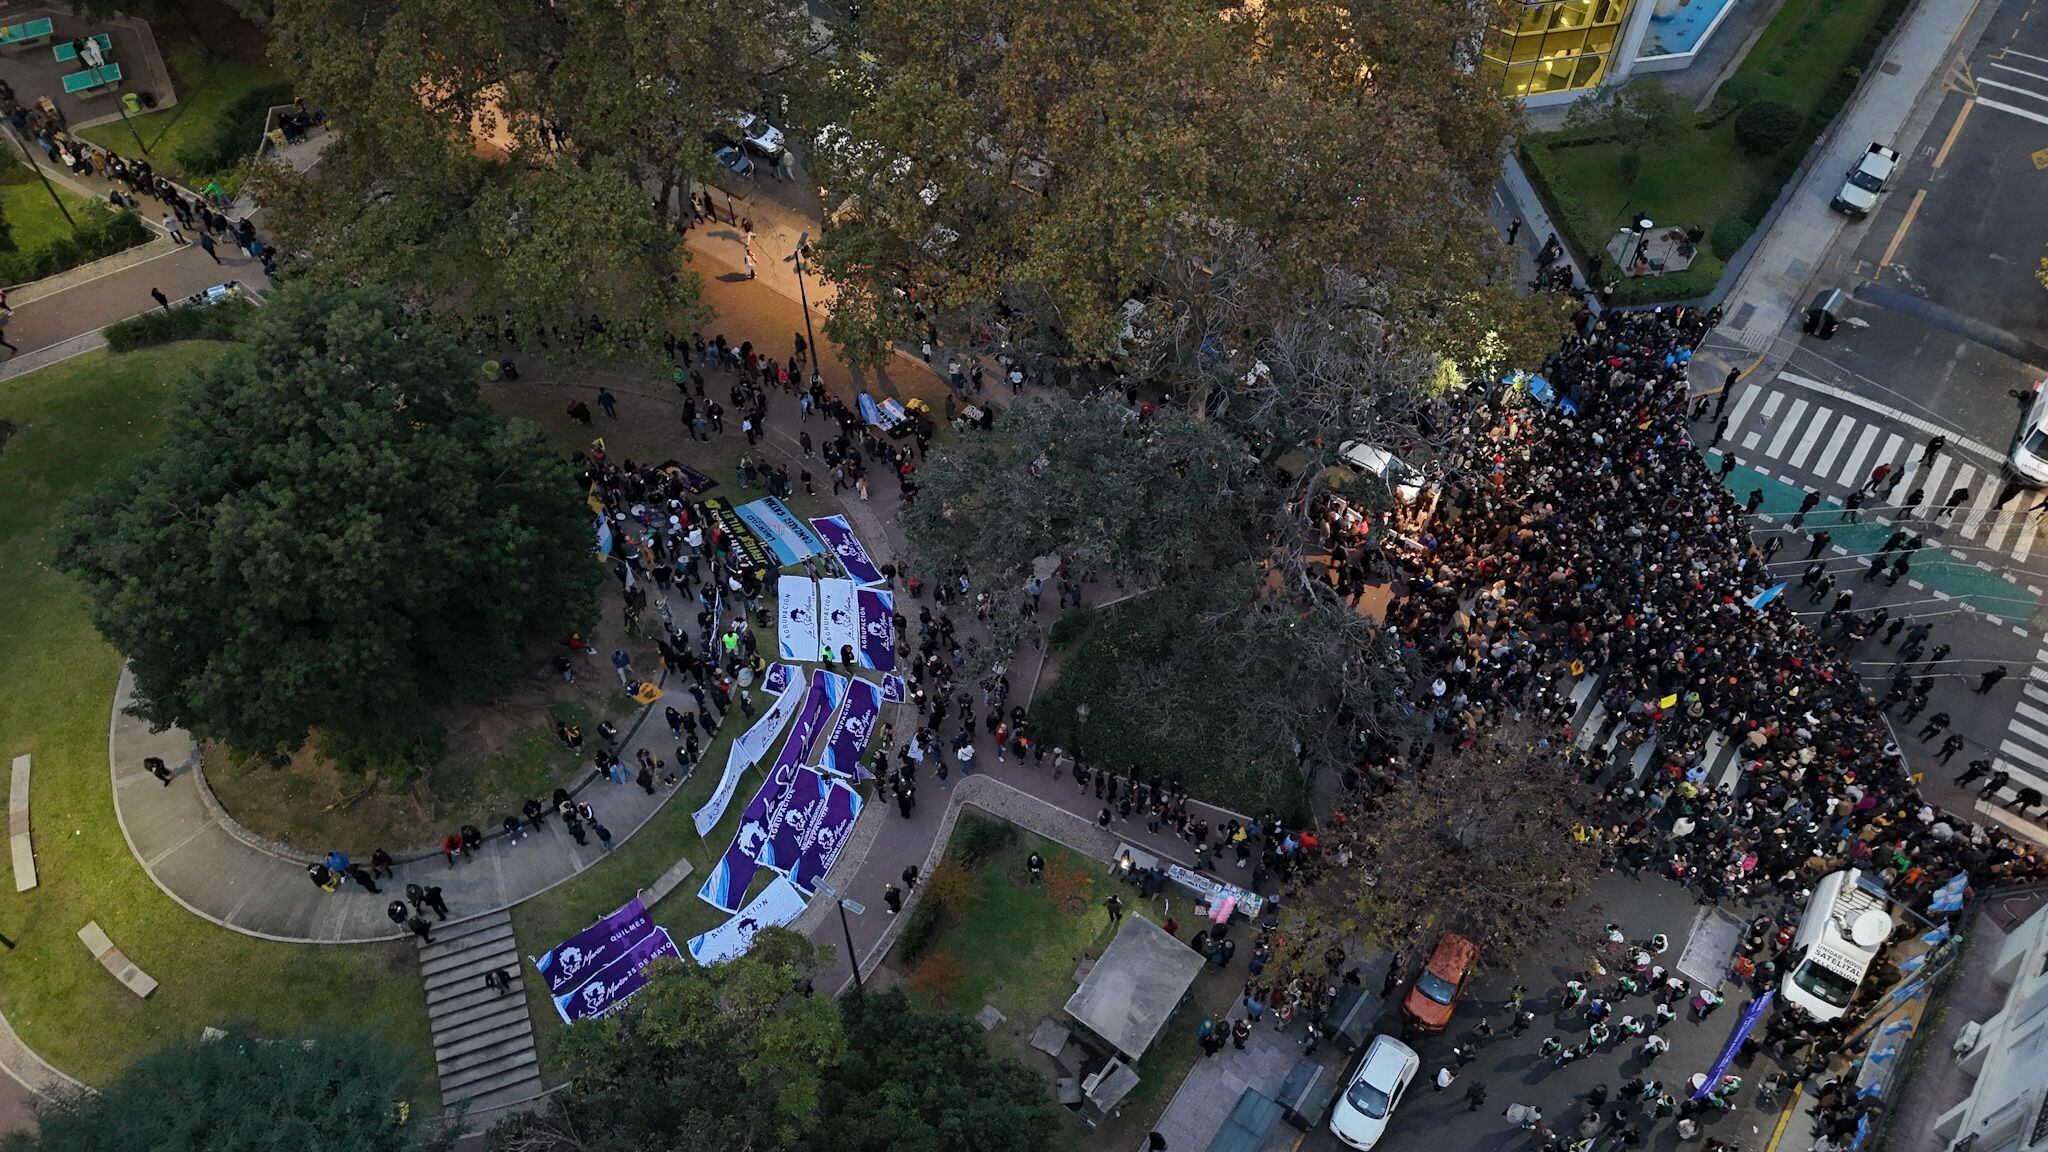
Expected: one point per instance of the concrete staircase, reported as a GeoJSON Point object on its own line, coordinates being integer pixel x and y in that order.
{"type": "Point", "coordinates": [483, 1040]}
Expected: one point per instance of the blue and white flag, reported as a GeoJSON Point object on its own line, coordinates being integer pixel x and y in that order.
{"type": "Point", "coordinates": [1768, 595]}
{"type": "Point", "coordinates": [1937, 935]}
{"type": "Point", "coordinates": [604, 536]}
{"type": "Point", "coordinates": [1912, 964]}
{"type": "Point", "coordinates": [1949, 897]}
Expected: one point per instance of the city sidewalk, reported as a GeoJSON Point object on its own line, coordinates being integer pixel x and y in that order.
{"type": "Point", "coordinates": [1774, 285]}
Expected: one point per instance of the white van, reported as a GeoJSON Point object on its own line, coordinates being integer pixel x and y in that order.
{"type": "Point", "coordinates": [2028, 458]}
{"type": "Point", "coordinates": [1839, 937]}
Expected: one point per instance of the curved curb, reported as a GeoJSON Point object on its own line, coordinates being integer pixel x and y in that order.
{"type": "Point", "coordinates": [291, 868]}
{"type": "Point", "coordinates": [27, 1068]}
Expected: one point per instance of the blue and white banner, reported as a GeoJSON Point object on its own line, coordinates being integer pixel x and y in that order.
{"type": "Point", "coordinates": [778, 904]}
{"type": "Point", "coordinates": [796, 611]}
{"type": "Point", "coordinates": [750, 747]}
{"type": "Point", "coordinates": [783, 531]}
{"type": "Point", "coordinates": [779, 677]}
{"type": "Point", "coordinates": [605, 991]}
{"type": "Point", "coordinates": [604, 536]}
{"type": "Point", "coordinates": [1949, 897]}
{"type": "Point", "coordinates": [847, 549]}
{"type": "Point", "coordinates": [838, 618]}
{"type": "Point", "coordinates": [1751, 1013]}
{"type": "Point", "coordinates": [1769, 594]}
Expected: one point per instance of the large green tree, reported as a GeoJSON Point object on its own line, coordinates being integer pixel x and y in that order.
{"type": "Point", "coordinates": [341, 1093]}
{"type": "Point", "coordinates": [516, 169]}
{"type": "Point", "coordinates": [1026, 167]}
{"type": "Point", "coordinates": [335, 533]}
{"type": "Point", "coordinates": [743, 1057]}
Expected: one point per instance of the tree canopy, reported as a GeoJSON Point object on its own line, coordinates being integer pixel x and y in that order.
{"type": "Point", "coordinates": [1025, 167]}
{"type": "Point", "coordinates": [512, 170]}
{"type": "Point", "coordinates": [741, 1057]}
{"type": "Point", "coordinates": [335, 533]}
{"type": "Point", "coordinates": [351, 1093]}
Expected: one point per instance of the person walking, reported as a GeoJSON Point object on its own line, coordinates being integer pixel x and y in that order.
{"type": "Point", "coordinates": [1950, 747]}
{"type": "Point", "coordinates": [1444, 1078]}
{"type": "Point", "coordinates": [608, 402]}
{"type": "Point", "coordinates": [1989, 680]}
{"type": "Point", "coordinates": [1807, 504]}
{"type": "Point", "coordinates": [4, 341]}
{"type": "Point", "coordinates": [1115, 907]}
{"type": "Point", "coordinates": [1475, 1096]}
{"type": "Point", "coordinates": [910, 878]}
{"type": "Point", "coordinates": [206, 246]}
{"type": "Point", "coordinates": [1949, 506]}
{"type": "Point", "coordinates": [1933, 449]}
{"type": "Point", "coordinates": [421, 929]}
{"type": "Point", "coordinates": [431, 895]}
{"type": "Point", "coordinates": [893, 897]}
{"type": "Point", "coordinates": [1878, 476]}
{"type": "Point", "coordinates": [176, 229]}
{"type": "Point", "coordinates": [1514, 229]}
{"type": "Point", "coordinates": [162, 301]}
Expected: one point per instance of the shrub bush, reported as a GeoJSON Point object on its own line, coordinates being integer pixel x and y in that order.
{"type": "Point", "coordinates": [977, 839]}
{"type": "Point", "coordinates": [1069, 627]}
{"type": "Point", "coordinates": [1766, 126]}
{"type": "Point", "coordinates": [157, 326]}
{"type": "Point", "coordinates": [1729, 236]}
{"type": "Point", "coordinates": [235, 134]}
{"type": "Point", "coordinates": [101, 232]}
{"type": "Point", "coordinates": [1739, 91]}
{"type": "Point", "coordinates": [920, 930]}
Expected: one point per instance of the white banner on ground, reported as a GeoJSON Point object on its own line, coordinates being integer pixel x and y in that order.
{"type": "Point", "coordinates": [838, 617]}
{"type": "Point", "coordinates": [751, 746]}
{"type": "Point", "coordinates": [778, 904]}
{"type": "Point", "coordinates": [796, 607]}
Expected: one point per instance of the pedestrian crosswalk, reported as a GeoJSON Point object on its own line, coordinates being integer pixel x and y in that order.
{"type": "Point", "coordinates": [1818, 438]}
{"type": "Point", "coordinates": [2024, 751]}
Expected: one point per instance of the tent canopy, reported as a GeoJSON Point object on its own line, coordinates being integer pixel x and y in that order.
{"type": "Point", "coordinates": [1129, 993]}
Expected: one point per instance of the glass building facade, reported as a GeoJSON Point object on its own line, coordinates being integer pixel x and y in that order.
{"type": "Point", "coordinates": [1552, 46]}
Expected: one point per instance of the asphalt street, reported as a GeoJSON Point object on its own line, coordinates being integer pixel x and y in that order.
{"type": "Point", "coordinates": [1513, 1071]}
{"type": "Point", "coordinates": [1947, 314]}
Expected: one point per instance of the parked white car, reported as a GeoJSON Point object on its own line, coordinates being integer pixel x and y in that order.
{"type": "Point", "coordinates": [1361, 1114]}
{"type": "Point", "coordinates": [1871, 175]}
{"type": "Point", "coordinates": [759, 134]}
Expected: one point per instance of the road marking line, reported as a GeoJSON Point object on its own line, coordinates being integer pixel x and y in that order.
{"type": "Point", "coordinates": [1742, 404]}
{"type": "Point", "coordinates": [2024, 546]}
{"type": "Point", "coordinates": [1785, 430]}
{"type": "Point", "coordinates": [2023, 754]}
{"type": "Point", "coordinates": [1912, 210]}
{"type": "Point", "coordinates": [1821, 418]}
{"type": "Point", "coordinates": [2022, 55]}
{"type": "Point", "coordinates": [1855, 466]}
{"type": "Point", "coordinates": [1930, 487]}
{"type": "Point", "coordinates": [1955, 439]}
{"type": "Point", "coordinates": [1954, 130]}
{"type": "Point", "coordinates": [2034, 116]}
{"type": "Point", "coordinates": [1965, 474]}
{"type": "Point", "coordinates": [2027, 92]}
{"type": "Point", "coordinates": [1890, 452]}
{"type": "Point", "coordinates": [2020, 71]}
{"type": "Point", "coordinates": [2032, 713]}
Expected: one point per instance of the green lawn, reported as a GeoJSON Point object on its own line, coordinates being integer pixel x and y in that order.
{"type": "Point", "coordinates": [206, 88]}
{"type": "Point", "coordinates": [32, 217]}
{"type": "Point", "coordinates": [1808, 58]}
{"type": "Point", "coordinates": [73, 422]}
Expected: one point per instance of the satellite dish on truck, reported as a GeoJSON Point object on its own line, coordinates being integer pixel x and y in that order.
{"type": "Point", "coordinates": [1871, 928]}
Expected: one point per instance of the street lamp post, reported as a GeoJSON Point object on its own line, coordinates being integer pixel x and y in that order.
{"type": "Point", "coordinates": [796, 260]}
{"type": "Point", "coordinates": [852, 957]}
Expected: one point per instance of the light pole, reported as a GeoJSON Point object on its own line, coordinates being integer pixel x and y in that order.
{"type": "Point", "coordinates": [852, 957]}
{"type": "Point", "coordinates": [796, 260]}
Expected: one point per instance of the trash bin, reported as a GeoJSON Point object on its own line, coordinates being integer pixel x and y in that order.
{"type": "Point", "coordinates": [1825, 314]}
{"type": "Point", "coordinates": [132, 103]}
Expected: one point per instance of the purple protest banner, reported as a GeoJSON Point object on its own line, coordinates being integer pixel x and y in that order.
{"type": "Point", "coordinates": [847, 549]}
{"type": "Point", "coordinates": [605, 991]}
{"type": "Point", "coordinates": [726, 887]}
{"type": "Point", "coordinates": [894, 690]}
{"type": "Point", "coordinates": [573, 960]}
{"type": "Point", "coordinates": [877, 629]}
{"type": "Point", "coordinates": [812, 830]}
{"type": "Point", "coordinates": [849, 738]}
{"type": "Point", "coordinates": [823, 696]}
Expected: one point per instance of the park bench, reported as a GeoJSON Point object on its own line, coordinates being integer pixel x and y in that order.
{"type": "Point", "coordinates": [22, 35]}
{"type": "Point", "coordinates": [17, 827]}
{"type": "Point", "coordinates": [110, 958]}
{"type": "Point", "coordinates": [67, 51]}
{"type": "Point", "coordinates": [666, 883]}
{"type": "Point", "coordinates": [92, 81]}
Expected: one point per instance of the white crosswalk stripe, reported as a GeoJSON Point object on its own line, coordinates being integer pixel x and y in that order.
{"type": "Point", "coordinates": [1833, 447]}
{"type": "Point", "coordinates": [2024, 751]}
